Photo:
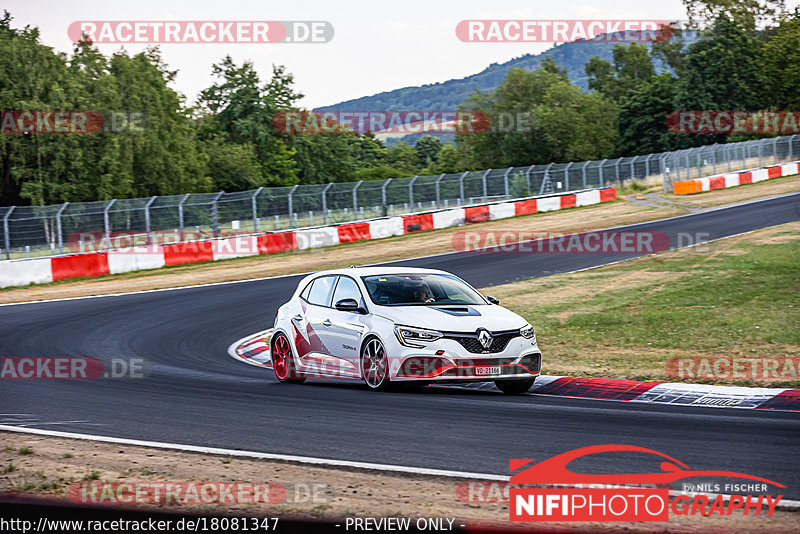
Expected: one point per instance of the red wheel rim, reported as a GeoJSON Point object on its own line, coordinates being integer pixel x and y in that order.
{"type": "Point", "coordinates": [280, 357]}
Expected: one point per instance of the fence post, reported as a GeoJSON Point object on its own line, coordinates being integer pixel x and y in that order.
{"type": "Point", "coordinates": [505, 182]}
{"type": "Point", "coordinates": [411, 192]}
{"type": "Point", "coordinates": [461, 186]}
{"type": "Point", "coordinates": [728, 156]}
{"type": "Point", "coordinates": [566, 175]}
{"type": "Point", "coordinates": [58, 227]}
{"type": "Point", "coordinates": [647, 165]}
{"type": "Point", "coordinates": [291, 192]}
{"type": "Point", "coordinates": [600, 168]}
{"type": "Point", "coordinates": [255, 209]}
{"type": "Point", "coordinates": [5, 232]}
{"type": "Point", "coordinates": [438, 197]}
{"type": "Point", "coordinates": [383, 192]}
{"type": "Point", "coordinates": [483, 178]}
{"type": "Point", "coordinates": [775, 151]}
{"type": "Point", "coordinates": [759, 153]}
{"type": "Point", "coordinates": [355, 200]}
{"type": "Point", "coordinates": [107, 223]}
{"type": "Point", "coordinates": [545, 179]}
{"type": "Point", "coordinates": [180, 214]}
{"type": "Point", "coordinates": [583, 173]}
{"type": "Point", "coordinates": [714, 159]}
{"type": "Point", "coordinates": [147, 216]}
{"type": "Point", "coordinates": [325, 203]}
{"type": "Point", "coordinates": [215, 214]}
{"type": "Point", "coordinates": [528, 178]}
{"type": "Point", "coordinates": [791, 148]}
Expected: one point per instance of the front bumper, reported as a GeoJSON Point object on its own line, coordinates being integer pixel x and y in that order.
{"type": "Point", "coordinates": [448, 360]}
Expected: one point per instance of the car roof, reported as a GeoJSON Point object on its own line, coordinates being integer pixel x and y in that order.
{"type": "Point", "coordinates": [372, 271]}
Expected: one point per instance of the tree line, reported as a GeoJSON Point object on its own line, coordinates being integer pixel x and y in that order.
{"type": "Point", "coordinates": [747, 58]}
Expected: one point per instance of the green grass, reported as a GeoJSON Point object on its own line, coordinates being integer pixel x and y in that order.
{"type": "Point", "coordinates": [93, 475]}
{"type": "Point", "coordinates": [688, 303]}
{"type": "Point", "coordinates": [25, 450]}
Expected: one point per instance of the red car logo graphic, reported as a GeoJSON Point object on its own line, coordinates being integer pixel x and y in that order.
{"type": "Point", "coordinates": [554, 470]}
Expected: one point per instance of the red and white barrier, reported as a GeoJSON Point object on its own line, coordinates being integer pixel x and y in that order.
{"type": "Point", "coordinates": [733, 179]}
{"type": "Point", "coordinates": [122, 260]}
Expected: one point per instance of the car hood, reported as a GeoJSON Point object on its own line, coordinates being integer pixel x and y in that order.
{"type": "Point", "coordinates": [453, 318]}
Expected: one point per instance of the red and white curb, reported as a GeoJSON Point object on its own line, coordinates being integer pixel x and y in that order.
{"type": "Point", "coordinates": [254, 350]}
{"type": "Point", "coordinates": [733, 179]}
{"type": "Point", "coordinates": [126, 258]}
{"type": "Point", "coordinates": [676, 393]}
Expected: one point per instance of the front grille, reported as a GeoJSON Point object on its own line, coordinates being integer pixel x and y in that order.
{"type": "Point", "coordinates": [470, 341]}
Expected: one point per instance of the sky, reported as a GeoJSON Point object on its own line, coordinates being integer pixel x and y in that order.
{"type": "Point", "coordinates": [378, 45]}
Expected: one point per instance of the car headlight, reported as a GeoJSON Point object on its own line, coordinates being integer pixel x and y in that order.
{"type": "Point", "coordinates": [408, 335]}
{"type": "Point", "coordinates": [527, 332]}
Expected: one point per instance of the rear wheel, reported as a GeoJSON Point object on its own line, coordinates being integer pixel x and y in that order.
{"type": "Point", "coordinates": [282, 360]}
{"type": "Point", "coordinates": [375, 365]}
{"type": "Point", "coordinates": [514, 387]}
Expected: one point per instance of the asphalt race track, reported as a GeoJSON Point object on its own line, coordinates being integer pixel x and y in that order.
{"type": "Point", "coordinates": [197, 394]}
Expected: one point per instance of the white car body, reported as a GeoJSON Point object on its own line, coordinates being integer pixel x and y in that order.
{"type": "Point", "coordinates": [327, 342]}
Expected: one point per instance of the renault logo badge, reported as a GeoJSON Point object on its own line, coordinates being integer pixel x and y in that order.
{"type": "Point", "coordinates": [485, 338]}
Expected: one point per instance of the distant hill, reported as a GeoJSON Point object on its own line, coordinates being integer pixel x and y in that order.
{"type": "Point", "coordinates": [448, 95]}
{"type": "Point", "coordinates": [451, 93]}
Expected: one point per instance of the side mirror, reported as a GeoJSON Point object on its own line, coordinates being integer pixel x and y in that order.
{"type": "Point", "coordinates": [349, 305]}
{"type": "Point", "coordinates": [493, 300]}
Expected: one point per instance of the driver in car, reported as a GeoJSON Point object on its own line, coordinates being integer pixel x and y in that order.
{"type": "Point", "coordinates": [422, 293]}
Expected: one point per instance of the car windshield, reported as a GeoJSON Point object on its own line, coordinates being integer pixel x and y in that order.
{"type": "Point", "coordinates": [419, 290]}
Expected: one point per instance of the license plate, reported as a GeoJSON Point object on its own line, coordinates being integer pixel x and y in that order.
{"type": "Point", "coordinates": [485, 371]}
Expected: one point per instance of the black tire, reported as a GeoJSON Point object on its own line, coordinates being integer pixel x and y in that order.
{"type": "Point", "coordinates": [375, 365]}
{"type": "Point", "coordinates": [514, 386]}
{"type": "Point", "coordinates": [283, 361]}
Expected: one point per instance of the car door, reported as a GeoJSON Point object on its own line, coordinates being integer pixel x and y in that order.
{"type": "Point", "coordinates": [346, 328]}
{"type": "Point", "coordinates": [311, 323]}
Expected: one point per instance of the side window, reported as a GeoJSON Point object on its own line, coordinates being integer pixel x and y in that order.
{"type": "Point", "coordinates": [306, 291]}
{"type": "Point", "coordinates": [321, 290]}
{"type": "Point", "coordinates": [346, 289]}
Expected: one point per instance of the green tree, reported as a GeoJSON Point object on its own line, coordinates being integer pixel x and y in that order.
{"type": "Point", "coordinates": [632, 66]}
{"type": "Point", "coordinates": [781, 61]}
{"type": "Point", "coordinates": [745, 13]}
{"type": "Point", "coordinates": [403, 158]}
{"type": "Point", "coordinates": [642, 121]}
{"type": "Point", "coordinates": [538, 117]}
{"type": "Point", "coordinates": [723, 72]}
{"type": "Point", "coordinates": [428, 148]}
{"type": "Point", "coordinates": [244, 110]}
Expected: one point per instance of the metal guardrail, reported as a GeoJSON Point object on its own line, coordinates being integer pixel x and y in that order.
{"type": "Point", "coordinates": [58, 229]}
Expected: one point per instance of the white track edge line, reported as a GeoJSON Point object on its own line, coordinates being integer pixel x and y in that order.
{"type": "Point", "coordinates": [784, 503]}
{"type": "Point", "coordinates": [258, 455]}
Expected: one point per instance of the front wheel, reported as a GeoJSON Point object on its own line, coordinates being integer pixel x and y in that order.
{"type": "Point", "coordinates": [283, 362]}
{"type": "Point", "coordinates": [375, 365]}
{"type": "Point", "coordinates": [514, 387]}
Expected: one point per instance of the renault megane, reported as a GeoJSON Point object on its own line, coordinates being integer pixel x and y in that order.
{"type": "Point", "coordinates": [390, 325]}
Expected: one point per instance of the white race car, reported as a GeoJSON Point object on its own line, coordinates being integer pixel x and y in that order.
{"type": "Point", "coordinates": [389, 325]}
